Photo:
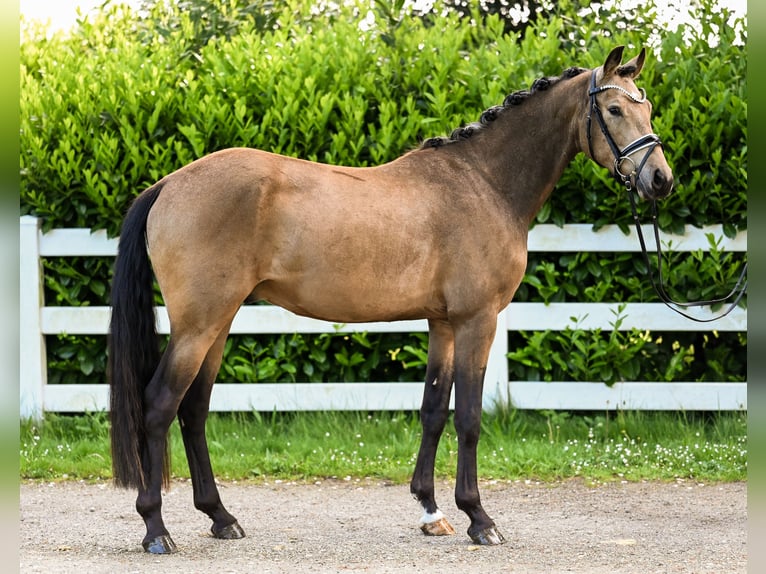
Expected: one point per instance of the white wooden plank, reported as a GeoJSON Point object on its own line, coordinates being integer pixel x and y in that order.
{"type": "Point", "coordinates": [652, 316]}
{"type": "Point", "coordinates": [545, 237]}
{"type": "Point", "coordinates": [317, 397]}
{"type": "Point", "coordinates": [76, 398]}
{"type": "Point", "coordinates": [581, 237]}
{"type": "Point", "coordinates": [677, 396]}
{"type": "Point", "coordinates": [77, 241]}
{"type": "Point", "coordinates": [75, 320]}
{"type": "Point", "coordinates": [684, 396]}
{"type": "Point", "coordinates": [264, 319]}
{"type": "Point", "coordinates": [519, 317]}
{"type": "Point", "coordinates": [261, 397]}
{"type": "Point", "coordinates": [272, 319]}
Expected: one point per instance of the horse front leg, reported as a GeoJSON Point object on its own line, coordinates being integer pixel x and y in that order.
{"type": "Point", "coordinates": [472, 344]}
{"type": "Point", "coordinates": [192, 416]}
{"type": "Point", "coordinates": [433, 416]}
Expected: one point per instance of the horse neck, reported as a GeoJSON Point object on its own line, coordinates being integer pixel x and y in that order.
{"type": "Point", "coordinates": [525, 153]}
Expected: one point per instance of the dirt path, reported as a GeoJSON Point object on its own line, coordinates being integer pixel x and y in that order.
{"type": "Point", "coordinates": [336, 526]}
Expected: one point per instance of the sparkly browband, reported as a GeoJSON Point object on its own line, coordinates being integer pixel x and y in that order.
{"type": "Point", "coordinates": [623, 90]}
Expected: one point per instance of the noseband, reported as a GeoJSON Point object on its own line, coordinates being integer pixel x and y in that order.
{"type": "Point", "coordinates": [649, 142]}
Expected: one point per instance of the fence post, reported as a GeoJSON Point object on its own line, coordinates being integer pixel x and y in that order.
{"type": "Point", "coordinates": [33, 368]}
{"type": "Point", "coordinates": [496, 377]}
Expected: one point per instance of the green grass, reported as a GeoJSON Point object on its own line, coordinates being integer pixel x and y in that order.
{"type": "Point", "coordinates": [514, 445]}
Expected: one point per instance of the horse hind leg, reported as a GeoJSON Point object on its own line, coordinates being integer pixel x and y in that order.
{"type": "Point", "coordinates": [177, 370]}
{"type": "Point", "coordinates": [192, 416]}
{"type": "Point", "coordinates": [433, 416]}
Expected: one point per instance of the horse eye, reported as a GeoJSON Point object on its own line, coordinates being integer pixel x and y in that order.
{"type": "Point", "coordinates": [615, 111]}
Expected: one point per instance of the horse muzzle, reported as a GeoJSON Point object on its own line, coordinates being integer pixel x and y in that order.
{"type": "Point", "coordinates": [651, 181]}
{"type": "Point", "coordinates": [659, 184]}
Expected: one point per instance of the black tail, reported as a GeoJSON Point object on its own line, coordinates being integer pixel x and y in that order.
{"type": "Point", "coordinates": [133, 344]}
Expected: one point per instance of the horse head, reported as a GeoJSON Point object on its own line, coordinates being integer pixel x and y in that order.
{"type": "Point", "coordinates": [626, 144]}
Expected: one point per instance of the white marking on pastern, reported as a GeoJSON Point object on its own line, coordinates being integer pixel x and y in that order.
{"type": "Point", "coordinates": [428, 518]}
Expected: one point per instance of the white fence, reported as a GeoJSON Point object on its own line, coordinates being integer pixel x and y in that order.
{"type": "Point", "coordinates": [39, 320]}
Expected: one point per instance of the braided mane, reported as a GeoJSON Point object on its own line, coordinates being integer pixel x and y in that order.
{"type": "Point", "coordinates": [491, 114]}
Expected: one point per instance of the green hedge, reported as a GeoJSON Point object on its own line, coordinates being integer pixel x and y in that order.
{"type": "Point", "coordinates": [128, 98]}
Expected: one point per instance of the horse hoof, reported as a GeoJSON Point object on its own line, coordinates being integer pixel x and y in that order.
{"type": "Point", "coordinates": [160, 545]}
{"type": "Point", "coordinates": [231, 532]}
{"type": "Point", "coordinates": [440, 527]}
{"type": "Point", "coordinates": [488, 537]}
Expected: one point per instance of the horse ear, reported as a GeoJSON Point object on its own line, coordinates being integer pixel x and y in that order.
{"type": "Point", "coordinates": [613, 60]}
{"type": "Point", "coordinates": [634, 66]}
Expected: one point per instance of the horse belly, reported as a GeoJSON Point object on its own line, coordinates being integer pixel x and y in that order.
{"type": "Point", "coordinates": [357, 289]}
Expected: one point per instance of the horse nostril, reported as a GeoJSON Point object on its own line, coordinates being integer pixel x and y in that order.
{"type": "Point", "coordinates": [661, 184]}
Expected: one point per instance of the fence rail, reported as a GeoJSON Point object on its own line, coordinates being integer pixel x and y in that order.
{"type": "Point", "coordinates": [39, 321]}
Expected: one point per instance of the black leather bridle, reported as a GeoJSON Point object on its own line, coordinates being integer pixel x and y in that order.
{"type": "Point", "coordinates": [621, 156]}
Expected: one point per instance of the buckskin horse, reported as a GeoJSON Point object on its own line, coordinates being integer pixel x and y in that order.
{"type": "Point", "coordinates": [438, 234]}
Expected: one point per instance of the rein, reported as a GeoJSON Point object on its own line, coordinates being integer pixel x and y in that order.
{"type": "Point", "coordinates": [649, 142]}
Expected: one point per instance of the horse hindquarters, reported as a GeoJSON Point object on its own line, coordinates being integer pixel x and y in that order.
{"type": "Point", "coordinates": [146, 390]}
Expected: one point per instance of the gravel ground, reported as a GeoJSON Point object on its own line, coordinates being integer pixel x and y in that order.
{"type": "Point", "coordinates": [371, 527]}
